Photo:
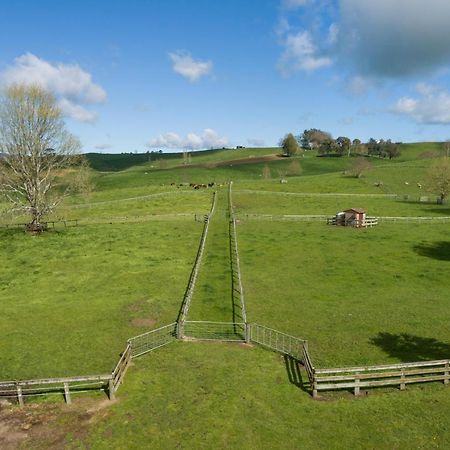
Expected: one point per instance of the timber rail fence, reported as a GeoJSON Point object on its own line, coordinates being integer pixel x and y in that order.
{"type": "Point", "coordinates": [320, 379]}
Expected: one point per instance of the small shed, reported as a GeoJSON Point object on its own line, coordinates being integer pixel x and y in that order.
{"type": "Point", "coordinates": [353, 217]}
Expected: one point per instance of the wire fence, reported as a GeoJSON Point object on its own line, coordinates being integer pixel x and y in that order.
{"type": "Point", "coordinates": [214, 331]}
{"type": "Point", "coordinates": [237, 286]}
{"type": "Point", "coordinates": [152, 340]}
{"type": "Point", "coordinates": [195, 270]}
{"type": "Point", "coordinates": [277, 341]}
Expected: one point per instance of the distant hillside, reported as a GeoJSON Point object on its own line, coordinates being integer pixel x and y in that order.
{"type": "Point", "coordinates": [113, 162]}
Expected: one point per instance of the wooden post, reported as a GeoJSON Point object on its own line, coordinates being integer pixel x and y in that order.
{"type": "Point", "coordinates": [446, 373]}
{"type": "Point", "coordinates": [67, 393]}
{"type": "Point", "coordinates": [402, 381]}
{"type": "Point", "coordinates": [357, 382]}
{"type": "Point", "coordinates": [314, 394]}
{"type": "Point", "coordinates": [180, 333]}
{"type": "Point", "coordinates": [19, 395]}
{"type": "Point", "coordinates": [111, 390]}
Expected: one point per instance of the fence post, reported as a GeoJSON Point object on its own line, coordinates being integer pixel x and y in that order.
{"type": "Point", "coordinates": [402, 381]}
{"type": "Point", "coordinates": [111, 389]}
{"type": "Point", "coordinates": [357, 381]}
{"type": "Point", "coordinates": [19, 395]}
{"type": "Point", "coordinates": [180, 330]}
{"type": "Point", "coordinates": [67, 393]}
{"type": "Point", "coordinates": [247, 333]}
{"type": "Point", "coordinates": [314, 392]}
{"type": "Point", "coordinates": [446, 373]}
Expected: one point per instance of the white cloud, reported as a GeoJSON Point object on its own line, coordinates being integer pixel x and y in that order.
{"type": "Point", "coordinates": [186, 66]}
{"type": "Point", "coordinates": [300, 54]}
{"type": "Point", "coordinates": [72, 85]}
{"type": "Point", "coordinates": [358, 85]}
{"type": "Point", "coordinates": [432, 106]}
{"type": "Point", "coordinates": [208, 139]}
{"type": "Point", "coordinates": [76, 112]}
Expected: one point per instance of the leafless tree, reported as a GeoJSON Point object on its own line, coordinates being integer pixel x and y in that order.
{"type": "Point", "coordinates": [40, 162]}
{"type": "Point", "coordinates": [438, 178]}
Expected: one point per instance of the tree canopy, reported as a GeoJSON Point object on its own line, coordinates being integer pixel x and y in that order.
{"type": "Point", "coordinates": [38, 153]}
{"type": "Point", "coordinates": [290, 145]}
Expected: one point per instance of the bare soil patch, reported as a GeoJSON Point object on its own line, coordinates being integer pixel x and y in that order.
{"type": "Point", "coordinates": [48, 425]}
{"type": "Point", "coordinates": [141, 322]}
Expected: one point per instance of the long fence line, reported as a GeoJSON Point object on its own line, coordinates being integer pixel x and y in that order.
{"type": "Point", "coordinates": [235, 261]}
{"type": "Point", "coordinates": [327, 379]}
{"type": "Point", "coordinates": [315, 194]}
{"type": "Point", "coordinates": [194, 274]}
{"type": "Point", "coordinates": [323, 218]}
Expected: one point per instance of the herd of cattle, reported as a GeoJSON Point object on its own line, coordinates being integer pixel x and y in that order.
{"type": "Point", "coordinates": [194, 185]}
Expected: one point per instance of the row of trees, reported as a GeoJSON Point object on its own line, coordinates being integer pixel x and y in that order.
{"type": "Point", "coordinates": [326, 145]}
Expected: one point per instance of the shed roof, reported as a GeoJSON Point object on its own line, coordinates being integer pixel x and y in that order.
{"type": "Point", "coordinates": [356, 210]}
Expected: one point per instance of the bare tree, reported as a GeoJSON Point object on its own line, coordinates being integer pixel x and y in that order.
{"type": "Point", "coordinates": [40, 163]}
{"type": "Point", "coordinates": [438, 178]}
{"type": "Point", "coordinates": [359, 166]}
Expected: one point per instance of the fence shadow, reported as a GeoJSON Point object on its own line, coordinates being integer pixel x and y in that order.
{"type": "Point", "coordinates": [294, 373]}
{"type": "Point", "coordinates": [408, 347]}
{"type": "Point", "coordinates": [438, 250]}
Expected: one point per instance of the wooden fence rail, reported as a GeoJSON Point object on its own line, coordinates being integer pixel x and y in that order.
{"type": "Point", "coordinates": [25, 388]}
{"type": "Point", "coordinates": [400, 375]}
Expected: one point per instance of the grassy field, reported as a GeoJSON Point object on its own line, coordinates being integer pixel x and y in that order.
{"type": "Point", "coordinates": [72, 297]}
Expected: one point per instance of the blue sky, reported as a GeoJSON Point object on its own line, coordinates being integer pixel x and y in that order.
{"type": "Point", "coordinates": [173, 74]}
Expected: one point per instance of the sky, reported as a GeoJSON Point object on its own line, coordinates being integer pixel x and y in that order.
{"type": "Point", "coordinates": [171, 75]}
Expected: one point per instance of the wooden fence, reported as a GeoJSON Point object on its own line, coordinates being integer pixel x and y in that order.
{"type": "Point", "coordinates": [46, 225]}
{"type": "Point", "coordinates": [356, 378]}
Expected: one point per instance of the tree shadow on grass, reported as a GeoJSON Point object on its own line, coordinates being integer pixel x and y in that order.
{"type": "Point", "coordinates": [410, 348]}
{"type": "Point", "coordinates": [438, 250]}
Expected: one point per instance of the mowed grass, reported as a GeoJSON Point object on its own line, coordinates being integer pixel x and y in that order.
{"type": "Point", "coordinates": [203, 396]}
{"type": "Point", "coordinates": [279, 203]}
{"type": "Point", "coordinates": [71, 299]}
{"type": "Point", "coordinates": [351, 292]}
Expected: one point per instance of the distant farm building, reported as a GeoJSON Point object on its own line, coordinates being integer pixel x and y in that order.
{"type": "Point", "coordinates": [353, 217]}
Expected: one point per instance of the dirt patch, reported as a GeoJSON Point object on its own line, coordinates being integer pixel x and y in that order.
{"type": "Point", "coordinates": [47, 425]}
{"type": "Point", "coordinates": [138, 322]}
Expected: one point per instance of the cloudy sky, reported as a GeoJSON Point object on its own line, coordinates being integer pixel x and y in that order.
{"type": "Point", "coordinates": [174, 74]}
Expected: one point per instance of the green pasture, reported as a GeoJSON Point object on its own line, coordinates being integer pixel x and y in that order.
{"type": "Point", "coordinates": [71, 298]}
{"type": "Point", "coordinates": [203, 396]}
{"type": "Point", "coordinates": [293, 203]}
{"type": "Point", "coordinates": [360, 296]}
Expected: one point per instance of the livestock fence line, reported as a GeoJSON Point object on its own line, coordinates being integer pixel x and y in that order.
{"type": "Point", "coordinates": [355, 378]}
{"type": "Point", "coordinates": [322, 218]}
{"type": "Point", "coordinates": [320, 379]}
{"type": "Point", "coordinates": [316, 194]}
{"type": "Point", "coordinates": [235, 261]}
{"type": "Point", "coordinates": [69, 385]}
{"type": "Point", "coordinates": [195, 270]}
{"type": "Point", "coordinates": [128, 199]}
{"type": "Point", "coordinates": [46, 225]}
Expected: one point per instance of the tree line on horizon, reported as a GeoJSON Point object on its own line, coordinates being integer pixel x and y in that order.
{"type": "Point", "coordinates": [324, 143]}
